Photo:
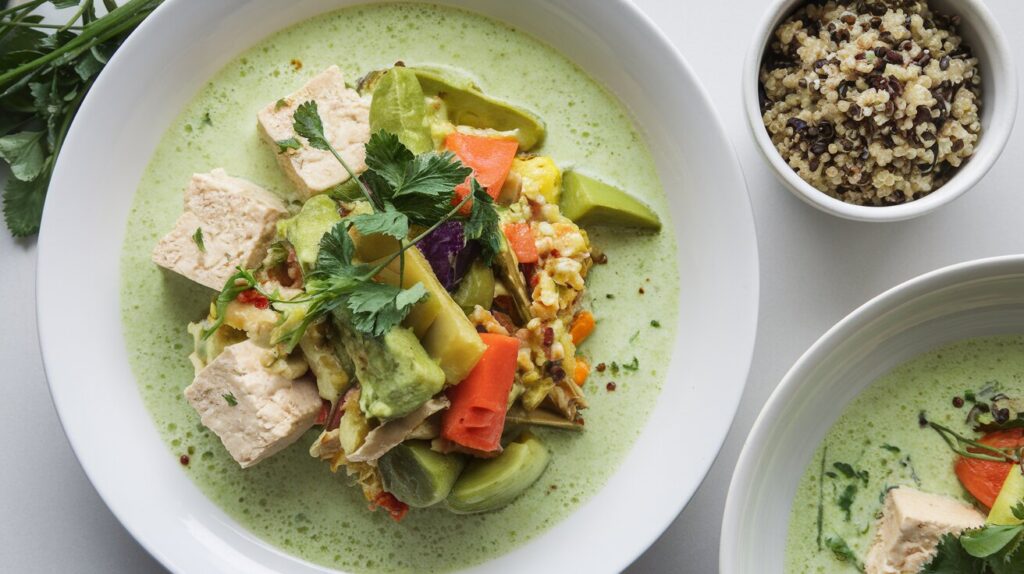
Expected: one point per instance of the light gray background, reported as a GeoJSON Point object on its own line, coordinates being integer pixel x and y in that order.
{"type": "Point", "coordinates": [814, 270]}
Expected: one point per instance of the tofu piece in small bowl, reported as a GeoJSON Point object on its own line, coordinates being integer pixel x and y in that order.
{"type": "Point", "coordinates": [346, 119]}
{"type": "Point", "coordinates": [227, 222]}
{"type": "Point", "coordinates": [255, 411]}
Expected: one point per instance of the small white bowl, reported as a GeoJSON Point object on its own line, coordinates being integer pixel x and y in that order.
{"type": "Point", "coordinates": [999, 108]}
{"type": "Point", "coordinates": [968, 300]}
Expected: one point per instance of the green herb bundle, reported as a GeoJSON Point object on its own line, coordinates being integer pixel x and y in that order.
{"type": "Point", "coordinates": [45, 72]}
{"type": "Point", "coordinates": [991, 549]}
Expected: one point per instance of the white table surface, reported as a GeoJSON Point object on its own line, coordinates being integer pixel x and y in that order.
{"type": "Point", "coordinates": [814, 270]}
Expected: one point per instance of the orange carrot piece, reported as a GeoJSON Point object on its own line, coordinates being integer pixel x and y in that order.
{"type": "Point", "coordinates": [984, 478]}
{"type": "Point", "coordinates": [520, 239]}
{"type": "Point", "coordinates": [476, 417]}
{"type": "Point", "coordinates": [582, 371]}
{"type": "Point", "coordinates": [582, 327]}
{"type": "Point", "coordinates": [489, 158]}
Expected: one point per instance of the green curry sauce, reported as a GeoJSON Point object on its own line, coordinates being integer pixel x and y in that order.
{"type": "Point", "coordinates": [879, 437]}
{"type": "Point", "coordinates": [292, 500]}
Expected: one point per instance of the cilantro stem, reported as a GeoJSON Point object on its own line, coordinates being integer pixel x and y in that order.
{"type": "Point", "coordinates": [44, 26]}
{"type": "Point", "coordinates": [87, 5]}
{"type": "Point", "coordinates": [956, 443]}
{"type": "Point", "coordinates": [28, 6]}
{"type": "Point", "coordinates": [420, 237]}
{"type": "Point", "coordinates": [351, 173]}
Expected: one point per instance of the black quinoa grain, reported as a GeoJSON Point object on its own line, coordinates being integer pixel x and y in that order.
{"type": "Point", "coordinates": [944, 63]}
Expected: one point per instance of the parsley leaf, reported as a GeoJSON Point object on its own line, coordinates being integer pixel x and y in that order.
{"type": "Point", "coordinates": [951, 558]}
{"type": "Point", "coordinates": [286, 144]}
{"type": "Point", "coordinates": [842, 552]}
{"type": "Point", "coordinates": [846, 498]}
{"type": "Point", "coordinates": [632, 365]}
{"type": "Point", "coordinates": [23, 205]}
{"type": "Point", "coordinates": [377, 307]}
{"type": "Point", "coordinates": [230, 399]}
{"type": "Point", "coordinates": [24, 152]}
{"type": "Point", "coordinates": [308, 125]}
{"type": "Point", "coordinates": [389, 222]}
{"type": "Point", "coordinates": [483, 223]}
{"type": "Point", "coordinates": [197, 238]}
{"type": "Point", "coordinates": [986, 541]}
{"type": "Point", "coordinates": [241, 281]}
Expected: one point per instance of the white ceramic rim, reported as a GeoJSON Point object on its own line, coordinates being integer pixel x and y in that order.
{"type": "Point", "coordinates": [789, 390]}
{"type": "Point", "coordinates": [188, 533]}
{"type": "Point", "coordinates": [998, 121]}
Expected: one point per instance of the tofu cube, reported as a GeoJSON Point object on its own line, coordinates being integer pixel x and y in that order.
{"type": "Point", "coordinates": [255, 412]}
{"type": "Point", "coordinates": [911, 526]}
{"type": "Point", "coordinates": [238, 220]}
{"type": "Point", "coordinates": [346, 119]}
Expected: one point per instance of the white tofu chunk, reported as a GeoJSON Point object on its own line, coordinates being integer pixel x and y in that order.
{"type": "Point", "coordinates": [255, 412]}
{"type": "Point", "coordinates": [911, 526]}
{"type": "Point", "coordinates": [238, 220]}
{"type": "Point", "coordinates": [346, 118]}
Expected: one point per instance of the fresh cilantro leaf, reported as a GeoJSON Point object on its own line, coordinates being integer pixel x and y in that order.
{"type": "Point", "coordinates": [308, 125]}
{"type": "Point", "coordinates": [846, 498]}
{"type": "Point", "coordinates": [1018, 511]}
{"type": "Point", "coordinates": [951, 558]}
{"type": "Point", "coordinates": [483, 225]}
{"type": "Point", "coordinates": [230, 399]}
{"type": "Point", "coordinates": [336, 251]}
{"type": "Point", "coordinates": [632, 365]}
{"type": "Point", "coordinates": [388, 222]}
{"type": "Point", "coordinates": [990, 539]}
{"type": "Point", "coordinates": [842, 552]}
{"type": "Point", "coordinates": [845, 468]}
{"type": "Point", "coordinates": [891, 448]}
{"type": "Point", "coordinates": [287, 144]}
{"type": "Point", "coordinates": [25, 154]}
{"type": "Point", "coordinates": [377, 308]}
{"type": "Point", "coordinates": [197, 238]}
{"type": "Point", "coordinates": [241, 281]}
{"type": "Point", "coordinates": [387, 157]}
{"type": "Point", "coordinates": [280, 104]}
{"type": "Point", "coordinates": [656, 324]}
{"type": "Point", "coordinates": [23, 205]}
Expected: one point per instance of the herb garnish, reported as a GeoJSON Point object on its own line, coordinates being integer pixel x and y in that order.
{"type": "Point", "coordinates": [632, 365]}
{"type": "Point", "coordinates": [197, 238]}
{"type": "Point", "coordinates": [655, 323]}
{"type": "Point", "coordinates": [404, 190]}
{"type": "Point", "coordinates": [991, 549]}
{"type": "Point", "coordinates": [841, 550]}
{"type": "Point", "coordinates": [968, 448]}
{"type": "Point", "coordinates": [230, 399]}
{"type": "Point", "coordinates": [846, 498]}
{"type": "Point", "coordinates": [286, 144]}
{"type": "Point", "coordinates": [44, 75]}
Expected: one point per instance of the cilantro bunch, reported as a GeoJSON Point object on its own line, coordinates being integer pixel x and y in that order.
{"type": "Point", "coordinates": [45, 72]}
{"type": "Point", "coordinates": [405, 190]}
{"type": "Point", "coordinates": [991, 549]}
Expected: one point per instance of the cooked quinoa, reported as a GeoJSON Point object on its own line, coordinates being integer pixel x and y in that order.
{"type": "Point", "coordinates": [874, 102]}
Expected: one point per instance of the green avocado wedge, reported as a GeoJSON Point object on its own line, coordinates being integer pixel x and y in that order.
{"type": "Point", "coordinates": [417, 475]}
{"type": "Point", "coordinates": [588, 201]}
{"type": "Point", "coordinates": [491, 484]}
{"type": "Point", "coordinates": [305, 229]}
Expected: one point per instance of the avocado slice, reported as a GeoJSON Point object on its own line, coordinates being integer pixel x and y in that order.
{"type": "Point", "coordinates": [491, 484]}
{"type": "Point", "coordinates": [417, 475]}
{"type": "Point", "coordinates": [588, 201]}
{"type": "Point", "coordinates": [394, 371]}
{"type": "Point", "coordinates": [1010, 495]}
{"type": "Point", "coordinates": [305, 229]}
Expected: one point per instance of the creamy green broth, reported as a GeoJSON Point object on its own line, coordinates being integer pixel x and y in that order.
{"type": "Point", "coordinates": [882, 419]}
{"type": "Point", "coordinates": [292, 500]}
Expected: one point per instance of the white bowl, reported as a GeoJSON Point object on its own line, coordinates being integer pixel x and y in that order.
{"type": "Point", "coordinates": [967, 300]}
{"type": "Point", "coordinates": [999, 108]}
{"type": "Point", "coordinates": [145, 86]}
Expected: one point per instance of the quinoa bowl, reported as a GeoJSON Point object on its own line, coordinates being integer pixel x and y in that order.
{"type": "Point", "coordinates": [887, 109]}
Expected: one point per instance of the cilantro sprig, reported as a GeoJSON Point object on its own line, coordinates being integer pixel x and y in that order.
{"type": "Point", "coordinates": [991, 549]}
{"type": "Point", "coordinates": [45, 72]}
{"type": "Point", "coordinates": [405, 190]}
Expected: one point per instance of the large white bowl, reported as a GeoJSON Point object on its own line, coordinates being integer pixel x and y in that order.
{"type": "Point", "coordinates": [982, 33]}
{"type": "Point", "coordinates": [165, 63]}
{"type": "Point", "coordinates": [967, 300]}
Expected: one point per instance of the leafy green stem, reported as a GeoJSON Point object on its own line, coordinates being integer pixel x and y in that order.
{"type": "Point", "coordinates": [26, 7]}
{"type": "Point", "coordinates": [962, 446]}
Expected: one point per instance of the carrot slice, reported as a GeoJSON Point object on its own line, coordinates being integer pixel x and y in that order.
{"type": "Point", "coordinates": [982, 478]}
{"type": "Point", "coordinates": [520, 239]}
{"type": "Point", "coordinates": [489, 158]}
{"type": "Point", "coordinates": [476, 417]}
{"type": "Point", "coordinates": [582, 371]}
{"type": "Point", "coordinates": [582, 326]}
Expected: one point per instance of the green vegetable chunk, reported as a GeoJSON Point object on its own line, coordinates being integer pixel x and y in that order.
{"type": "Point", "coordinates": [417, 475]}
{"type": "Point", "coordinates": [306, 228]}
{"type": "Point", "coordinates": [396, 374]}
{"type": "Point", "coordinates": [468, 106]}
{"type": "Point", "coordinates": [476, 288]}
{"type": "Point", "coordinates": [399, 107]}
{"type": "Point", "coordinates": [588, 201]}
{"type": "Point", "coordinates": [491, 484]}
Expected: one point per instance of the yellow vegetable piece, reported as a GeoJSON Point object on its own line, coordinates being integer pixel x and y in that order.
{"type": "Point", "coordinates": [1010, 495]}
{"type": "Point", "coordinates": [540, 178]}
{"type": "Point", "coordinates": [417, 270]}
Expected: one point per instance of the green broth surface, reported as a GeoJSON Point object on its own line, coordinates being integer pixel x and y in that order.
{"type": "Point", "coordinates": [292, 500]}
{"type": "Point", "coordinates": [881, 420]}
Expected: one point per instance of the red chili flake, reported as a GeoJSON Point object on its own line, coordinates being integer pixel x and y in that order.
{"type": "Point", "coordinates": [556, 253]}
{"type": "Point", "coordinates": [184, 460]}
{"type": "Point", "coordinates": [610, 386]}
{"type": "Point", "coordinates": [601, 367]}
{"type": "Point", "coordinates": [534, 280]}
{"type": "Point", "coordinates": [254, 298]}
{"type": "Point", "coordinates": [396, 508]}
{"type": "Point", "coordinates": [549, 337]}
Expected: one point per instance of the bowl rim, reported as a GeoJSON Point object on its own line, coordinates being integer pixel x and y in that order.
{"type": "Point", "coordinates": [1002, 114]}
{"type": "Point", "coordinates": [49, 320]}
{"type": "Point", "coordinates": [796, 380]}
